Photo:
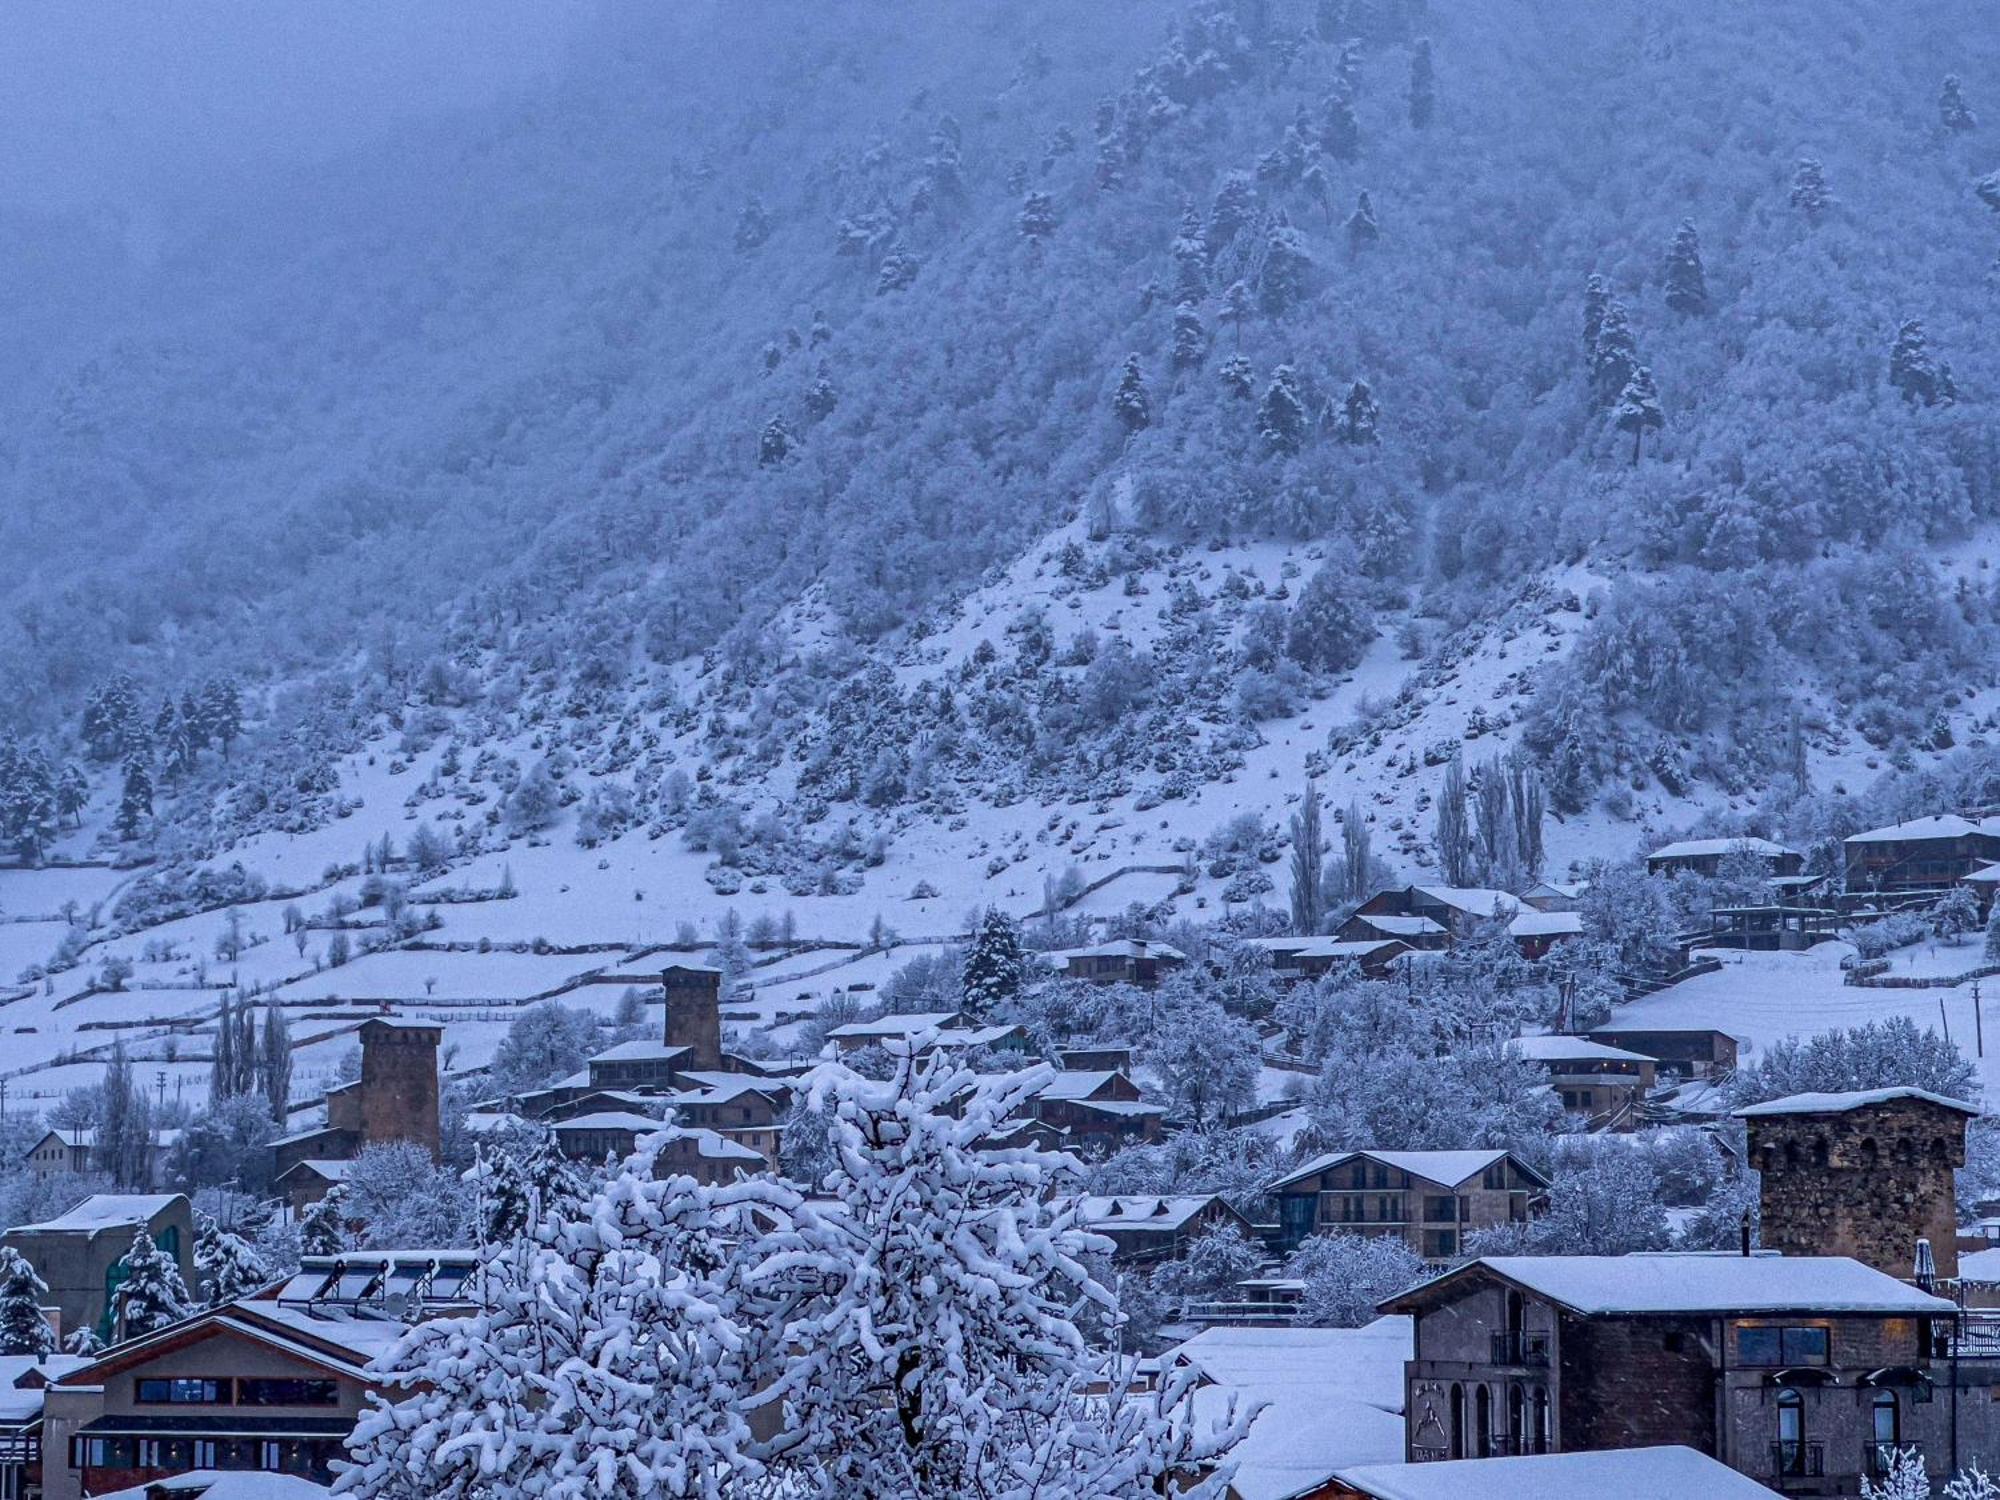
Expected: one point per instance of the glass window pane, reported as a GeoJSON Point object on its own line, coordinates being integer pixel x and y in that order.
{"type": "Point", "coordinates": [1805, 1346]}
{"type": "Point", "coordinates": [1758, 1346]}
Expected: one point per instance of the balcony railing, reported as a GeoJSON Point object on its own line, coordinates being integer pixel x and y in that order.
{"type": "Point", "coordinates": [1517, 1348]}
{"type": "Point", "coordinates": [1798, 1460]}
{"type": "Point", "coordinates": [1878, 1459]}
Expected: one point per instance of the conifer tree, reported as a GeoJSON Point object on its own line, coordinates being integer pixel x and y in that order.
{"type": "Point", "coordinates": [1319, 189]}
{"type": "Point", "coordinates": [1308, 865]}
{"type": "Point", "coordinates": [1340, 131]}
{"type": "Point", "coordinates": [1615, 358]}
{"type": "Point", "coordinates": [1638, 411]}
{"type": "Point", "coordinates": [1596, 297]}
{"type": "Point", "coordinates": [135, 802]}
{"type": "Point", "coordinates": [1953, 112]}
{"type": "Point", "coordinates": [274, 1063]}
{"type": "Point", "coordinates": [1235, 201]}
{"type": "Point", "coordinates": [503, 1194]}
{"type": "Point", "coordinates": [897, 272]}
{"type": "Point", "coordinates": [1038, 217]}
{"type": "Point", "coordinates": [1362, 230]}
{"type": "Point", "coordinates": [72, 794]}
{"type": "Point", "coordinates": [821, 396]}
{"type": "Point", "coordinates": [995, 968]}
{"type": "Point", "coordinates": [1129, 402]}
{"type": "Point", "coordinates": [151, 1294]}
{"type": "Point", "coordinates": [1912, 370]}
{"type": "Point", "coordinates": [227, 1268]}
{"type": "Point", "coordinates": [1809, 195]}
{"type": "Point", "coordinates": [323, 1226]}
{"type": "Point", "coordinates": [23, 1294]}
{"type": "Point", "coordinates": [775, 444]}
{"type": "Point", "coordinates": [1687, 286]}
{"type": "Point", "coordinates": [1190, 337]}
{"type": "Point", "coordinates": [83, 1342]}
{"type": "Point", "coordinates": [1190, 252]}
{"type": "Point", "coordinates": [1281, 279]}
{"type": "Point", "coordinates": [1237, 377]}
{"type": "Point", "coordinates": [1236, 307]}
{"type": "Point", "coordinates": [222, 712]}
{"type": "Point", "coordinates": [1281, 415]}
{"type": "Point", "coordinates": [1423, 85]}
{"type": "Point", "coordinates": [1360, 417]}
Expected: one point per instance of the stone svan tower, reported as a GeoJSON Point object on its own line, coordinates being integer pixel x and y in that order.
{"type": "Point", "coordinates": [1862, 1174]}
{"type": "Point", "coordinates": [694, 1013]}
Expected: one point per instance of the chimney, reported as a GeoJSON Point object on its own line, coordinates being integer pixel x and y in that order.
{"type": "Point", "coordinates": [694, 1013]}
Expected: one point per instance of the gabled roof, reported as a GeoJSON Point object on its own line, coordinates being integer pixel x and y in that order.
{"type": "Point", "coordinates": [343, 1346]}
{"type": "Point", "coordinates": [1472, 900]}
{"type": "Point", "coordinates": [1635, 1473]}
{"type": "Point", "coordinates": [1167, 1215]}
{"type": "Point", "coordinates": [1134, 948]}
{"type": "Point", "coordinates": [21, 1400]}
{"type": "Point", "coordinates": [1653, 1283]}
{"type": "Point", "coordinates": [1076, 1083]}
{"type": "Point", "coordinates": [1400, 926]}
{"type": "Point", "coordinates": [1570, 1049]}
{"type": "Point", "coordinates": [1936, 826]}
{"type": "Point", "coordinates": [1704, 848]}
{"type": "Point", "coordinates": [1446, 1168]}
{"type": "Point", "coordinates": [713, 1147]}
{"type": "Point", "coordinates": [641, 1049]}
{"type": "Point", "coordinates": [328, 1171]}
{"type": "Point", "coordinates": [609, 1119]}
{"type": "Point", "coordinates": [1532, 923]}
{"type": "Point", "coordinates": [901, 1025]}
{"type": "Point", "coordinates": [1838, 1104]}
{"type": "Point", "coordinates": [101, 1213]}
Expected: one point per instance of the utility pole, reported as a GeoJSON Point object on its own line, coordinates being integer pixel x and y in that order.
{"type": "Point", "coordinates": [1978, 1022]}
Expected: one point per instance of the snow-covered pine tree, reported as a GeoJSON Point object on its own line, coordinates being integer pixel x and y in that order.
{"type": "Point", "coordinates": [1308, 864]}
{"type": "Point", "coordinates": [995, 968]}
{"type": "Point", "coordinates": [135, 802]}
{"type": "Point", "coordinates": [1340, 132]}
{"type": "Point", "coordinates": [1129, 402]}
{"type": "Point", "coordinates": [1912, 370]}
{"type": "Point", "coordinates": [23, 1294]}
{"type": "Point", "coordinates": [1037, 219]}
{"type": "Point", "coordinates": [1282, 277]}
{"type": "Point", "coordinates": [1190, 252]}
{"type": "Point", "coordinates": [1809, 195]}
{"type": "Point", "coordinates": [1237, 376]}
{"type": "Point", "coordinates": [83, 1342]}
{"type": "Point", "coordinates": [323, 1226]}
{"type": "Point", "coordinates": [1687, 284]}
{"type": "Point", "coordinates": [151, 1294]}
{"type": "Point", "coordinates": [1423, 84]}
{"type": "Point", "coordinates": [1362, 229]}
{"type": "Point", "coordinates": [502, 1181]}
{"type": "Point", "coordinates": [1596, 297]}
{"type": "Point", "coordinates": [1330, 627]}
{"type": "Point", "coordinates": [1235, 202]}
{"type": "Point", "coordinates": [945, 1359]}
{"type": "Point", "coordinates": [1236, 305]}
{"type": "Point", "coordinates": [1638, 410]}
{"type": "Point", "coordinates": [1615, 358]}
{"type": "Point", "coordinates": [274, 1063]}
{"type": "Point", "coordinates": [1190, 337]}
{"type": "Point", "coordinates": [227, 1267]}
{"type": "Point", "coordinates": [1953, 112]}
{"type": "Point", "coordinates": [1281, 415]}
{"type": "Point", "coordinates": [1360, 417]}
{"type": "Point", "coordinates": [774, 444]}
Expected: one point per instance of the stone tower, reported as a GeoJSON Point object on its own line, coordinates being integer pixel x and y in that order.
{"type": "Point", "coordinates": [1862, 1174]}
{"type": "Point", "coordinates": [694, 1013]}
{"type": "Point", "coordinates": [399, 1082]}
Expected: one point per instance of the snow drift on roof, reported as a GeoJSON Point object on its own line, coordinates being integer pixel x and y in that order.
{"type": "Point", "coordinates": [1447, 1168]}
{"type": "Point", "coordinates": [102, 1211]}
{"type": "Point", "coordinates": [1703, 848]}
{"type": "Point", "coordinates": [1834, 1104]}
{"type": "Point", "coordinates": [1641, 1473]}
{"type": "Point", "coordinates": [1638, 1284]}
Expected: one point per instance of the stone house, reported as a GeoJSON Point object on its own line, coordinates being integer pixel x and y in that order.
{"type": "Point", "coordinates": [1805, 1373]}
{"type": "Point", "coordinates": [394, 1099]}
{"type": "Point", "coordinates": [1429, 1199]}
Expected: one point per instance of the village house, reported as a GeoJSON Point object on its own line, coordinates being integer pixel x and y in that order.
{"type": "Point", "coordinates": [1416, 934]}
{"type": "Point", "coordinates": [855, 1035]}
{"type": "Point", "coordinates": [1139, 961]}
{"type": "Point", "coordinates": [1771, 928]}
{"type": "Point", "coordinates": [1707, 856]}
{"type": "Point", "coordinates": [77, 1253]}
{"type": "Point", "coordinates": [1151, 1228]}
{"type": "Point", "coordinates": [1555, 895]}
{"type": "Point", "coordinates": [73, 1151]}
{"type": "Point", "coordinates": [272, 1383]}
{"type": "Point", "coordinates": [1664, 1473]}
{"type": "Point", "coordinates": [1102, 1110]}
{"type": "Point", "coordinates": [1690, 1052]}
{"type": "Point", "coordinates": [23, 1380]}
{"type": "Point", "coordinates": [1801, 1372]}
{"type": "Point", "coordinates": [1304, 958]}
{"type": "Point", "coordinates": [1536, 932]}
{"type": "Point", "coordinates": [1460, 910]}
{"type": "Point", "coordinates": [394, 1099]}
{"type": "Point", "coordinates": [1606, 1085]}
{"type": "Point", "coordinates": [1430, 1199]}
{"type": "Point", "coordinates": [1925, 856]}
{"type": "Point", "coordinates": [304, 1183]}
{"type": "Point", "coordinates": [1095, 1059]}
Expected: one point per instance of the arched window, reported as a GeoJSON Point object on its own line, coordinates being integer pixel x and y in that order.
{"type": "Point", "coordinates": [1791, 1445]}
{"type": "Point", "coordinates": [1542, 1435]}
{"type": "Point", "coordinates": [1517, 1420]}
{"type": "Point", "coordinates": [1885, 1432]}
{"type": "Point", "coordinates": [1482, 1421]}
{"type": "Point", "coordinates": [1458, 1422]}
{"type": "Point", "coordinates": [1516, 1312]}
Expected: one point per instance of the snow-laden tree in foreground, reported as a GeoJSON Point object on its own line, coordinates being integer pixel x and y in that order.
{"type": "Point", "coordinates": [151, 1293]}
{"type": "Point", "coordinates": [1905, 1480]}
{"type": "Point", "coordinates": [1972, 1484]}
{"type": "Point", "coordinates": [919, 1338]}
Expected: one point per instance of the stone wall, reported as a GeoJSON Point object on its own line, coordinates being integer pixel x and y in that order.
{"type": "Point", "coordinates": [399, 1084]}
{"type": "Point", "coordinates": [1635, 1382]}
{"type": "Point", "coordinates": [1864, 1182]}
{"type": "Point", "coordinates": [694, 1014]}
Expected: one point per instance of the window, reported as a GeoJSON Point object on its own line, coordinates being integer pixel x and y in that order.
{"type": "Point", "coordinates": [1457, 1449]}
{"type": "Point", "coordinates": [1441, 1210]}
{"type": "Point", "coordinates": [182, 1391]}
{"type": "Point", "coordinates": [1494, 1178]}
{"type": "Point", "coordinates": [1791, 1445]}
{"type": "Point", "coordinates": [1781, 1346]}
{"type": "Point", "coordinates": [106, 1453]}
{"type": "Point", "coordinates": [272, 1392]}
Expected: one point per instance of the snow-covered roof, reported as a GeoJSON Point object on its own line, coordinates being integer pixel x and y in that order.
{"type": "Point", "coordinates": [641, 1049]}
{"type": "Point", "coordinates": [1532, 923]}
{"type": "Point", "coordinates": [1446, 1168]}
{"type": "Point", "coordinates": [1075, 1084]}
{"type": "Point", "coordinates": [1119, 948]}
{"type": "Point", "coordinates": [1130, 1109]}
{"type": "Point", "coordinates": [1399, 926]}
{"type": "Point", "coordinates": [103, 1211]}
{"type": "Point", "coordinates": [1979, 1265]}
{"type": "Point", "coordinates": [1331, 1398]}
{"type": "Point", "coordinates": [1985, 875]}
{"type": "Point", "coordinates": [225, 1484]}
{"type": "Point", "coordinates": [1705, 848]}
{"type": "Point", "coordinates": [609, 1119]}
{"type": "Point", "coordinates": [712, 1146]}
{"type": "Point", "coordinates": [903, 1025]}
{"type": "Point", "coordinates": [1568, 890]}
{"type": "Point", "coordinates": [332, 1171]}
{"type": "Point", "coordinates": [1745, 1284]}
{"type": "Point", "coordinates": [1570, 1049]}
{"type": "Point", "coordinates": [1836, 1104]}
{"type": "Point", "coordinates": [1640, 1473]}
{"type": "Point", "coordinates": [711, 1088]}
{"type": "Point", "coordinates": [1936, 826]}
{"type": "Point", "coordinates": [1131, 1211]}
{"type": "Point", "coordinates": [1471, 900]}
{"type": "Point", "coordinates": [20, 1404]}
